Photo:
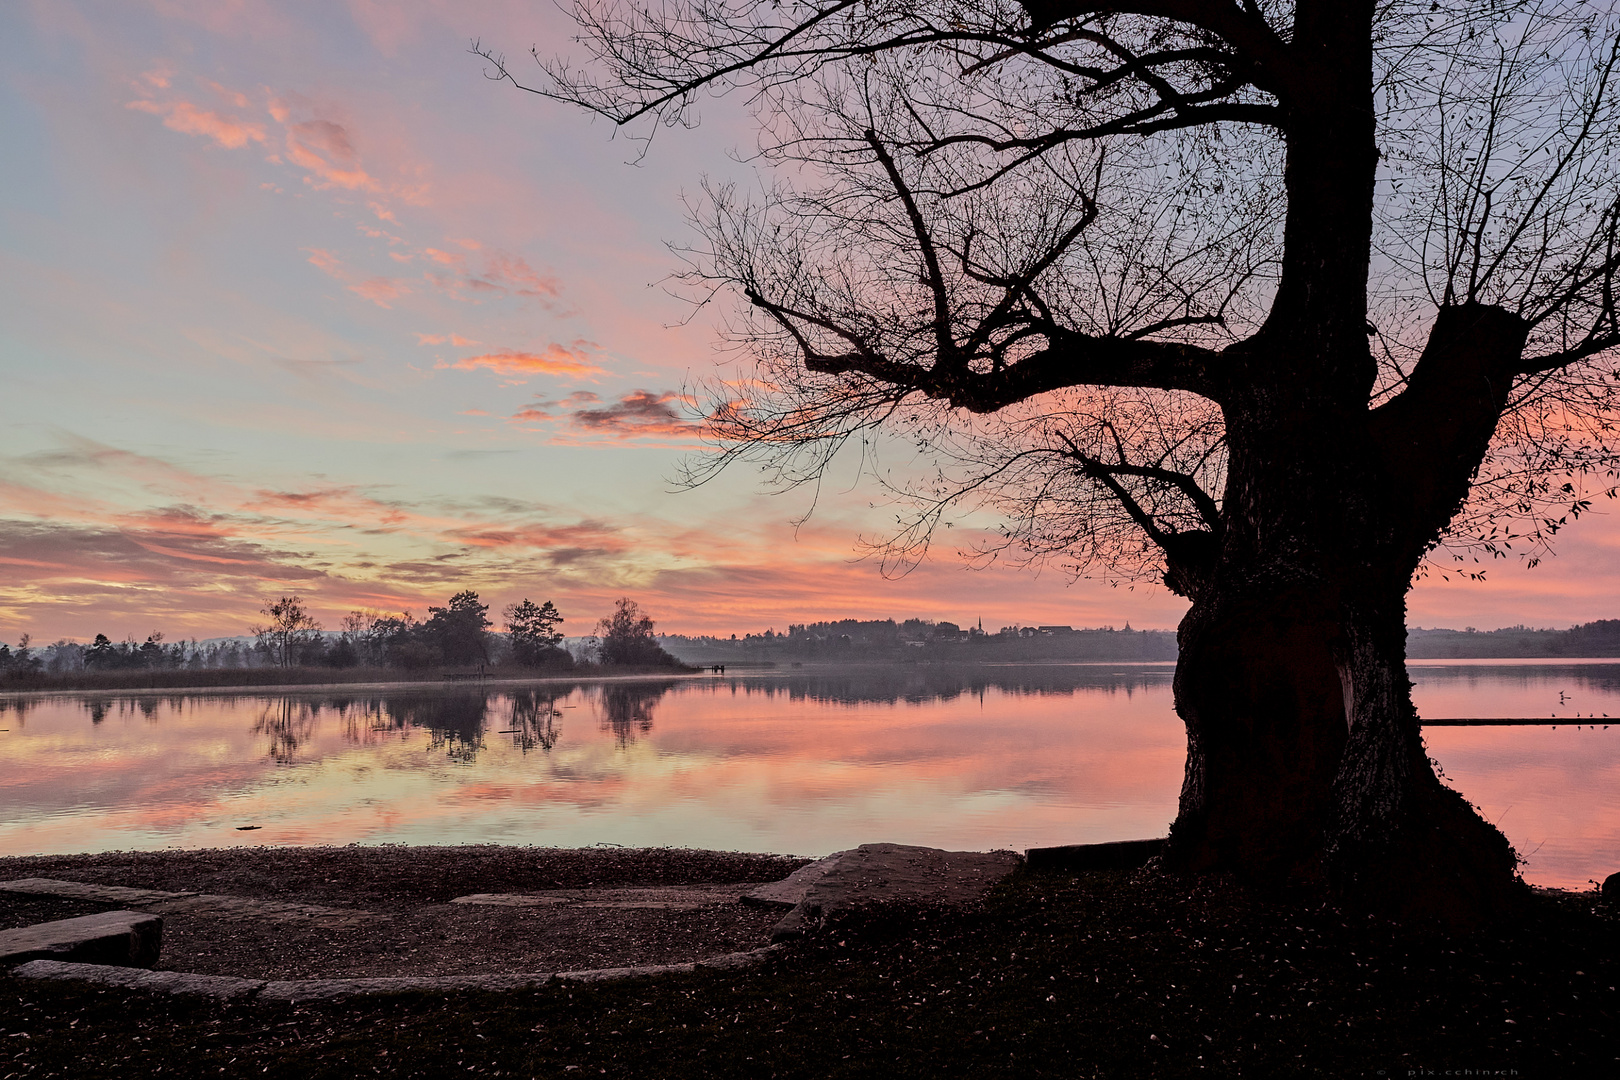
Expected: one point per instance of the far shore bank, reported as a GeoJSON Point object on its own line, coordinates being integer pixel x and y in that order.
{"type": "Point", "coordinates": [304, 678]}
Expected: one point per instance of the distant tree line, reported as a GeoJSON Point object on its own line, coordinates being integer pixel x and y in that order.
{"type": "Point", "coordinates": [848, 641]}
{"type": "Point", "coordinates": [458, 635]}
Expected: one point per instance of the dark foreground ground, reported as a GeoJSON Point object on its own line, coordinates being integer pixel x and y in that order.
{"type": "Point", "coordinates": [1105, 974]}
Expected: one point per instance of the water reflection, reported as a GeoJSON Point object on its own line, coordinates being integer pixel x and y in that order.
{"type": "Point", "coordinates": [626, 708]}
{"type": "Point", "coordinates": [804, 761]}
{"type": "Point", "coordinates": [919, 684]}
{"type": "Point", "coordinates": [289, 723]}
{"type": "Point", "coordinates": [532, 723]}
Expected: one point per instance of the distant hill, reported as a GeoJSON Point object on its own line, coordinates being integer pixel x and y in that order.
{"type": "Point", "coordinates": [852, 641]}
{"type": "Point", "coordinates": [1601, 638]}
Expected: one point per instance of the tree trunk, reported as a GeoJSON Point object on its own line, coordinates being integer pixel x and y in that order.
{"type": "Point", "coordinates": [1305, 763]}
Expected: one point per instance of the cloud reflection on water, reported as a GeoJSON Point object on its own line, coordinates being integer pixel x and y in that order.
{"type": "Point", "coordinates": [805, 762]}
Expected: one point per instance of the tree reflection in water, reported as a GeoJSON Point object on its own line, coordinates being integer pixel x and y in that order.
{"type": "Point", "coordinates": [455, 723]}
{"type": "Point", "coordinates": [534, 718]}
{"type": "Point", "coordinates": [626, 708]}
{"type": "Point", "coordinates": [289, 723]}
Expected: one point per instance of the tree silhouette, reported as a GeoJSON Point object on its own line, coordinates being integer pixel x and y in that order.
{"type": "Point", "coordinates": [1272, 298]}
{"type": "Point", "coordinates": [532, 631]}
{"type": "Point", "coordinates": [457, 631]}
{"type": "Point", "coordinates": [289, 627]}
{"type": "Point", "coordinates": [626, 638]}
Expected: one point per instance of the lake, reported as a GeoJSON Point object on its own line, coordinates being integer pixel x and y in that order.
{"type": "Point", "coordinates": [803, 761]}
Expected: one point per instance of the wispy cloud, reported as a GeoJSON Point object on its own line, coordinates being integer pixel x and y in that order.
{"type": "Point", "coordinates": [381, 291]}
{"type": "Point", "coordinates": [182, 116]}
{"type": "Point", "coordinates": [569, 361]}
{"type": "Point", "coordinates": [326, 151]}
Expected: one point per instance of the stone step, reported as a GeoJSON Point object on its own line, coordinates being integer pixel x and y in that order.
{"type": "Point", "coordinates": [119, 938]}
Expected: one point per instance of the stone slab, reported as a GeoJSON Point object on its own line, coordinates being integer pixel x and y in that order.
{"type": "Point", "coordinates": [83, 890]}
{"type": "Point", "coordinates": [662, 898]}
{"type": "Point", "coordinates": [895, 873]}
{"type": "Point", "coordinates": [1075, 858]}
{"type": "Point", "coordinates": [190, 903]}
{"type": "Point", "coordinates": [223, 987]}
{"type": "Point", "coordinates": [789, 892]}
{"type": "Point", "coordinates": [127, 938]}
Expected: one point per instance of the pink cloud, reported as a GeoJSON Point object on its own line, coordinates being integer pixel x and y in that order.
{"type": "Point", "coordinates": [439, 339]}
{"type": "Point", "coordinates": [639, 414]}
{"type": "Point", "coordinates": [499, 273]}
{"type": "Point", "coordinates": [325, 260]}
{"type": "Point", "coordinates": [380, 290]}
{"type": "Point", "coordinates": [564, 360]}
{"type": "Point", "coordinates": [188, 119]}
{"type": "Point", "coordinates": [325, 174]}
{"type": "Point", "coordinates": [235, 97]}
{"type": "Point", "coordinates": [517, 275]}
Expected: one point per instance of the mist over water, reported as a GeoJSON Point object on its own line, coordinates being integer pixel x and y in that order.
{"type": "Point", "coordinates": [804, 761]}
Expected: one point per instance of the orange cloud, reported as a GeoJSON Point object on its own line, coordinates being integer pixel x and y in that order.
{"type": "Point", "coordinates": [188, 119]}
{"type": "Point", "coordinates": [567, 361]}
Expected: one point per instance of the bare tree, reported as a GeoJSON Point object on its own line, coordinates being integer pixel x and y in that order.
{"type": "Point", "coordinates": [1289, 302]}
{"type": "Point", "coordinates": [290, 626]}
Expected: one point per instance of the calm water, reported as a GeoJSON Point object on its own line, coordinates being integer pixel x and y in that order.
{"type": "Point", "coordinates": [805, 762]}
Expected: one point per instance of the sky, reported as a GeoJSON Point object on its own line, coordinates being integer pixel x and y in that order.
{"type": "Point", "coordinates": [294, 299]}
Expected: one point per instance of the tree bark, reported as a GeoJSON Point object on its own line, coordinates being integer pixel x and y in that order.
{"type": "Point", "coordinates": [1305, 762]}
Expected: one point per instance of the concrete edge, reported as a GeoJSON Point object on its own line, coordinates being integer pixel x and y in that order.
{"type": "Point", "coordinates": [232, 988]}
{"type": "Point", "coordinates": [224, 987]}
